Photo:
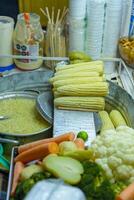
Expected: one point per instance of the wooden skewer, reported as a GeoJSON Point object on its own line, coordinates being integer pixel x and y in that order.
{"type": "Point", "coordinates": [63, 17]}
{"type": "Point", "coordinates": [57, 18]}
{"type": "Point", "coordinates": [56, 44]}
{"type": "Point", "coordinates": [52, 15]}
{"type": "Point", "coordinates": [43, 12]}
{"type": "Point", "coordinates": [49, 19]}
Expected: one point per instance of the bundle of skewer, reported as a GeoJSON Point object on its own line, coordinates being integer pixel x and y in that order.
{"type": "Point", "coordinates": [55, 45]}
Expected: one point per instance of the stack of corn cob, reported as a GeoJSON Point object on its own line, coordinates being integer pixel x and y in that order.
{"type": "Point", "coordinates": [80, 86]}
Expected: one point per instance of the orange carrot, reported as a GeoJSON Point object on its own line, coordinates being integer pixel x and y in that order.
{"type": "Point", "coordinates": [37, 152]}
{"type": "Point", "coordinates": [127, 193]}
{"type": "Point", "coordinates": [16, 176]}
{"type": "Point", "coordinates": [79, 143]}
{"type": "Point", "coordinates": [64, 137]}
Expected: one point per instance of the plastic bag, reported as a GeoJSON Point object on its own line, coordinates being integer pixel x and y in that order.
{"type": "Point", "coordinates": [54, 189]}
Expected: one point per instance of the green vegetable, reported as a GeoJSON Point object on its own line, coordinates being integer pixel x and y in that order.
{"type": "Point", "coordinates": [80, 154]}
{"type": "Point", "coordinates": [95, 185]}
{"type": "Point", "coordinates": [83, 135]}
{"type": "Point", "coordinates": [118, 187]}
{"type": "Point", "coordinates": [28, 171]}
{"type": "Point", "coordinates": [67, 146]}
{"type": "Point", "coordinates": [40, 176]}
{"type": "Point", "coordinates": [25, 186]}
{"type": "Point", "coordinates": [78, 55]}
{"type": "Point", "coordinates": [66, 168]}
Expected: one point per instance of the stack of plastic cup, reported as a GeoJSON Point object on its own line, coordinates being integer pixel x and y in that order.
{"type": "Point", "coordinates": [77, 8]}
{"type": "Point", "coordinates": [77, 25]}
{"type": "Point", "coordinates": [112, 29]}
{"type": "Point", "coordinates": [77, 34]}
{"type": "Point", "coordinates": [94, 30]}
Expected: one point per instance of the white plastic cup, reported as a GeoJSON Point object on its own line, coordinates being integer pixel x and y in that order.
{"type": "Point", "coordinates": [76, 40]}
{"type": "Point", "coordinates": [6, 36]}
{"type": "Point", "coordinates": [77, 23]}
{"type": "Point", "coordinates": [77, 8]}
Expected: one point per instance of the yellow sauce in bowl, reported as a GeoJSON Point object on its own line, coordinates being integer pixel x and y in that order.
{"type": "Point", "coordinates": [23, 116]}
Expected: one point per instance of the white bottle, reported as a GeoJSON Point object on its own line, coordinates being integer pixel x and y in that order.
{"type": "Point", "coordinates": [6, 40]}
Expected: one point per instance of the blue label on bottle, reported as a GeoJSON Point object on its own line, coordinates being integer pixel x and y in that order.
{"type": "Point", "coordinates": [131, 30]}
{"type": "Point", "coordinates": [2, 195]}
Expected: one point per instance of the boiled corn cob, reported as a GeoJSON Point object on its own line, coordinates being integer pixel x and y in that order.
{"type": "Point", "coordinates": [92, 63]}
{"type": "Point", "coordinates": [77, 74]}
{"type": "Point", "coordinates": [91, 89]}
{"type": "Point", "coordinates": [106, 121]}
{"type": "Point", "coordinates": [93, 68]}
{"type": "Point", "coordinates": [77, 80]}
{"type": "Point", "coordinates": [80, 103]}
{"type": "Point", "coordinates": [117, 118]}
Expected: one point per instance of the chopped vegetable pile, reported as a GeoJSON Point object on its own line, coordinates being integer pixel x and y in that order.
{"type": "Point", "coordinates": [25, 186]}
{"type": "Point", "coordinates": [114, 150]}
{"type": "Point", "coordinates": [101, 172]}
{"type": "Point", "coordinates": [95, 185]}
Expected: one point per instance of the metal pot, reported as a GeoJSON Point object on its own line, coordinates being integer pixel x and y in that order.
{"type": "Point", "coordinates": [22, 138]}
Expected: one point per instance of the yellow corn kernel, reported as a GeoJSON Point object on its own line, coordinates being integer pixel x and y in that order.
{"type": "Point", "coordinates": [98, 62]}
{"type": "Point", "coordinates": [117, 118]}
{"type": "Point", "coordinates": [80, 103]}
{"type": "Point", "coordinates": [75, 75]}
{"type": "Point", "coordinates": [106, 121]}
{"type": "Point", "coordinates": [91, 89]}
{"type": "Point", "coordinates": [77, 80]}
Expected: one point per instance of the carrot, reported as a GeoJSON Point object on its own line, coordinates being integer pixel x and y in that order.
{"type": "Point", "coordinates": [127, 193]}
{"type": "Point", "coordinates": [64, 137]}
{"type": "Point", "coordinates": [37, 152]}
{"type": "Point", "coordinates": [79, 143]}
{"type": "Point", "coordinates": [16, 176]}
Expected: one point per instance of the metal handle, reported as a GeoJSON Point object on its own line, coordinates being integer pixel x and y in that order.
{"type": "Point", "coordinates": [36, 91]}
{"type": "Point", "coordinates": [4, 117]}
{"type": "Point", "coordinates": [4, 140]}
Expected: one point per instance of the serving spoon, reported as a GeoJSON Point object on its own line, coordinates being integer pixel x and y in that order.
{"type": "Point", "coordinates": [4, 117]}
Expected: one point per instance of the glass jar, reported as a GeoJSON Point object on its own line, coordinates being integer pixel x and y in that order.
{"type": "Point", "coordinates": [28, 41]}
{"type": "Point", "coordinates": [56, 44]}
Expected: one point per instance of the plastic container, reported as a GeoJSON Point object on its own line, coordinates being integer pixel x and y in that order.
{"type": "Point", "coordinates": [28, 41]}
{"type": "Point", "coordinates": [6, 34]}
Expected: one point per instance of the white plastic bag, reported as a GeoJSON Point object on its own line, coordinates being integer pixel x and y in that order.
{"type": "Point", "coordinates": [54, 189]}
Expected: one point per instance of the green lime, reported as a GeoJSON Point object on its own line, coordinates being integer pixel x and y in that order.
{"type": "Point", "coordinates": [83, 135]}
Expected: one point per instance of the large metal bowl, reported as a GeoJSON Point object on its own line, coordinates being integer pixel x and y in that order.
{"type": "Point", "coordinates": [22, 138]}
{"type": "Point", "coordinates": [119, 99]}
